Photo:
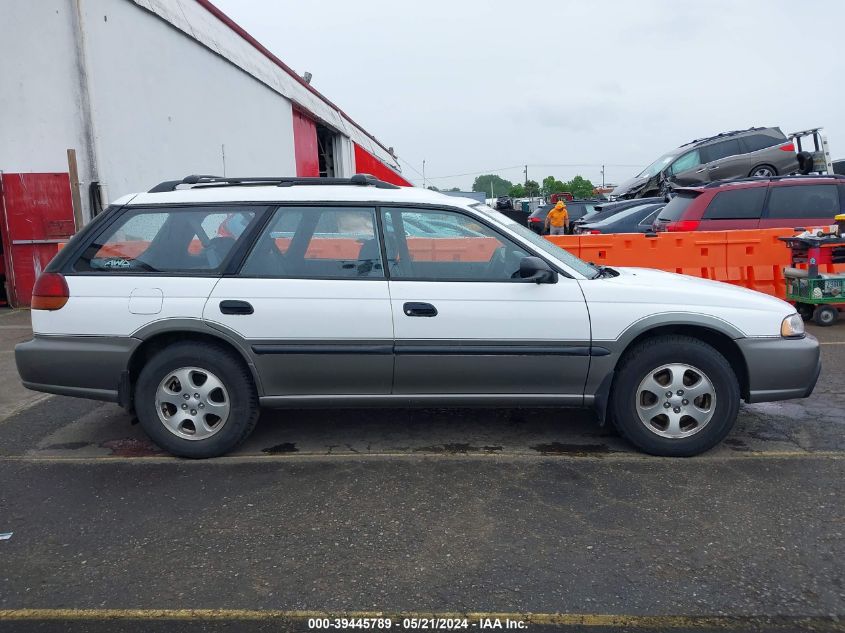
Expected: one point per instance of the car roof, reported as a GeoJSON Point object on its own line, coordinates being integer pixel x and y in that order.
{"type": "Point", "coordinates": [212, 194]}
{"type": "Point", "coordinates": [776, 181]}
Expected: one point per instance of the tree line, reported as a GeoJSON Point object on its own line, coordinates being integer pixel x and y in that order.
{"type": "Point", "coordinates": [491, 183]}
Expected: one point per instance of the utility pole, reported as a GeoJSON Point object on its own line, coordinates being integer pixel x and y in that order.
{"type": "Point", "coordinates": [602, 176]}
{"type": "Point", "coordinates": [526, 175]}
{"type": "Point", "coordinates": [423, 173]}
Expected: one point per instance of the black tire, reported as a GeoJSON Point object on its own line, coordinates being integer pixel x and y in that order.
{"type": "Point", "coordinates": [805, 310]}
{"type": "Point", "coordinates": [231, 370]}
{"type": "Point", "coordinates": [651, 354]}
{"type": "Point", "coordinates": [770, 168]}
{"type": "Point", "coordinates": [825, 315]}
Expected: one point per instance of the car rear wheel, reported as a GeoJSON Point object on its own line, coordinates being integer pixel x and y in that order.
{"type": "Point", "coordinates": [763, 171]}
{"type": "Point", "coordinates": [196, 400]}
{"type": "Point", "coordinates": [674, 396]}
{"type": "Point", "coordinates": [825, 315]}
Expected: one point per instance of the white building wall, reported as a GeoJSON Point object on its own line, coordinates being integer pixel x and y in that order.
{"type": "Point", "coordinates": [165, 106]}
{"type": "Point", "coordinates": [41, 113]}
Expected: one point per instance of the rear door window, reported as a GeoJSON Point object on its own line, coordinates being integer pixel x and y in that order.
{"type": "Point", "coordinates": [737, 204]}
{"type": "Point", "coordinates": [804, 201]}
{"type": "Point", "coordinates": [168, 240]}
{"type": "Point", "coordinates": [317, 243]}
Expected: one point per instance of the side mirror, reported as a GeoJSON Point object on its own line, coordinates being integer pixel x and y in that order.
{"type": "Point", "coordinates": [536, 270]}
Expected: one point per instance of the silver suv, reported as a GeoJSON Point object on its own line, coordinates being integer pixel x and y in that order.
{"type": "Point", "coordinates": [757, 151]}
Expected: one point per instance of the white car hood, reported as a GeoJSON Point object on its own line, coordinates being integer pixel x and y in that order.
{"type": "Point", "coordinates": [637, 293]}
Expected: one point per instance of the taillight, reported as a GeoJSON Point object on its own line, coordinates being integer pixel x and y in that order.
{"type": "Point", "coordinates": [534, 220]}
{"type": "Point", "coordinates": [594, 232]}
{"type": "Point", "coordinates": [789, 147]}
{"type": "Point", "coordinates": [683, 225]}
{"type": "Point", "coordinates": [50, 292]}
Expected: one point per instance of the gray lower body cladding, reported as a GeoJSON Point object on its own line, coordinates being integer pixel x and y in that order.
{"type": "Point", "coordinates": [781, 368]}
{"type": "Point", "coordinates": [81, 366]}
{"type": "Point", "coordinates": [96, 367]}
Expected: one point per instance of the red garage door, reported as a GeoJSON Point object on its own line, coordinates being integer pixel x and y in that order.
{"type": "Point", "coordinates": [305, 145]}
{"type": "Point", "coordinates": [37, 215]}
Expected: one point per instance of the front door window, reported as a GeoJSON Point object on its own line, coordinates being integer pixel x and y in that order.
{"type": "Point", "coordinates": [447, 246]}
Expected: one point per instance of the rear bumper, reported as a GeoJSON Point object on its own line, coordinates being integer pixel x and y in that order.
{"type": "Point", "coordinates": [781, 368]}
{"type": "Point", "coordinates": [80, 366]}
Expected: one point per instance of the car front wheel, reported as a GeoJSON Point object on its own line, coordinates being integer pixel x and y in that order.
{"type": "Point", "coordinates": [196, 400]}
{"type": "Point", "coordinates": [674, 396]}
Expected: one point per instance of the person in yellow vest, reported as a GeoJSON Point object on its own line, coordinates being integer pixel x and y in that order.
{"type": "Point", "coordinates": [558, 219]}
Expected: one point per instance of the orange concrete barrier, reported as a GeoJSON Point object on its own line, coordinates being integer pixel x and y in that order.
{"type": "Point", "coordinates": [753, 259]}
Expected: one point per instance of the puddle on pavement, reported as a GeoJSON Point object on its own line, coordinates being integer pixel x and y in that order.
{"type": "Point", "coordinates": [280, 449]}
{"type": "Point", "coordinates": [557, 448]}
{"type": "Point", "coordinates": [132, 448]}
{"type": "Point", "coordinates": [736, 445]}
{"type": "Point", "coordinates": [457, 449]}
{"type": "Point", "coordinates": [67, 446]}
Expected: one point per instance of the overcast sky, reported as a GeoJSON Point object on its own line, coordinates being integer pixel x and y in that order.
{"type": "Point", "coordinates": [472, 86]}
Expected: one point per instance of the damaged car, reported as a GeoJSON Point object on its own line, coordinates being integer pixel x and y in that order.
{"type": "Point", "coordinates": [760, 151]}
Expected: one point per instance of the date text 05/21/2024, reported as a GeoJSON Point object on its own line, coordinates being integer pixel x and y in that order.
{"type": "Point", "coordinates": [431, 624]}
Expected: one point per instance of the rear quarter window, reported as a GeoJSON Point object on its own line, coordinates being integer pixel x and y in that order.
{"type": "Point", "coordinates": [736, 204]}
{"type": "Point", "coordinates": [167, 240]}
{"type": "Point", "coordinates": [804, 201]}
{"type": "Point", "coordinates": [756, 142]}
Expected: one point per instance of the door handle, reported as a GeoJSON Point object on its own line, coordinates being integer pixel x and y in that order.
{"type": "Point", "coordinates": [236, 307]}
{"type": "Point", "coordinates": [417, 309]}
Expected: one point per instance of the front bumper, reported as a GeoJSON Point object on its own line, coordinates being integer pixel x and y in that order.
{"type": "Point", "coordinates": [80, 366]}
{"type": "Point", "coordinates": [781, 368]}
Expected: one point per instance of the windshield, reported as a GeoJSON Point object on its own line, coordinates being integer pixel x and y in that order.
{"type": "Point", "coordinates": [579, 265]}
{"type": "Point", "coordinates": [657, 166]}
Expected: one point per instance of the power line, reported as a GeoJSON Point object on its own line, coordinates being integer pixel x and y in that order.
{"type": "Point", "coordinates": [493, 171]}
{"type": "Point", "coordinates": [475, 173]}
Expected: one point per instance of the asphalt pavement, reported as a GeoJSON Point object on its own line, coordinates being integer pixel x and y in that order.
{"type": "Point", "coordinates": [532, 516]}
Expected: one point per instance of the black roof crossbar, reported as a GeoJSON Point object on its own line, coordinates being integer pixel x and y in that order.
{"type": "Point", "coordinates": [719, 183]}
{"type": "Point", "coordinates": [203, 180]}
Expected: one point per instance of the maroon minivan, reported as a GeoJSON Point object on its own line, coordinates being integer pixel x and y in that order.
{"type": "Point", "coordinates": [779, 202]}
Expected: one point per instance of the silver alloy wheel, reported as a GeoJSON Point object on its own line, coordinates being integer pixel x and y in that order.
{"type": "Point", "coordinates": [676, 400]}
{"type": "Point", "coordinates": [192, 403]}
{"type": "Point", "coordinates": [763, 172]}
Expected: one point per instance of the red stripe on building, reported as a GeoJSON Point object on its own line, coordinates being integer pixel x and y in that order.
{"type": "Point", "coordinates": [366, 163]}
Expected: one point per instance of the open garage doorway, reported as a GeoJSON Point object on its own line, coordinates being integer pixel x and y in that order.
{"type": "Point", "coordinates": [327, 141]}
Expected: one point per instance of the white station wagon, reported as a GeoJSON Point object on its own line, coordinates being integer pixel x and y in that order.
{"type": "Point", "coordinates": [201, 301]}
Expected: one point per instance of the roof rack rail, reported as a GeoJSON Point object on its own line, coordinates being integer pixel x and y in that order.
{"type": "Point", "coordinates": [719, 183]}
{"type": "Point", "coordinates": [722, 135]}
{"type": "Point", "coordinates": [205, 180]}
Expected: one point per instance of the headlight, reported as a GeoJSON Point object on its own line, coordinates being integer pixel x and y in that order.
{"type": "Point", "coordinates": [793, 325]}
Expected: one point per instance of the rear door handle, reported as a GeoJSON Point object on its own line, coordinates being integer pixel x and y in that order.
{"type": "Point", "coordinates": [236, 307]}
{"type": "Point", "coordinates": [417, 309]}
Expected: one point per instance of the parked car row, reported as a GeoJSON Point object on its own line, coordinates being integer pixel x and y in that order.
{"type": "Point", "coordinates": [749, 203]}
{"type": "Point", "coordinates": [577, 210]}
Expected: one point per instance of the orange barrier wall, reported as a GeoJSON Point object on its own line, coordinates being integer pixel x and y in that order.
{"type": "Point", "coordinates": [753, 259]}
